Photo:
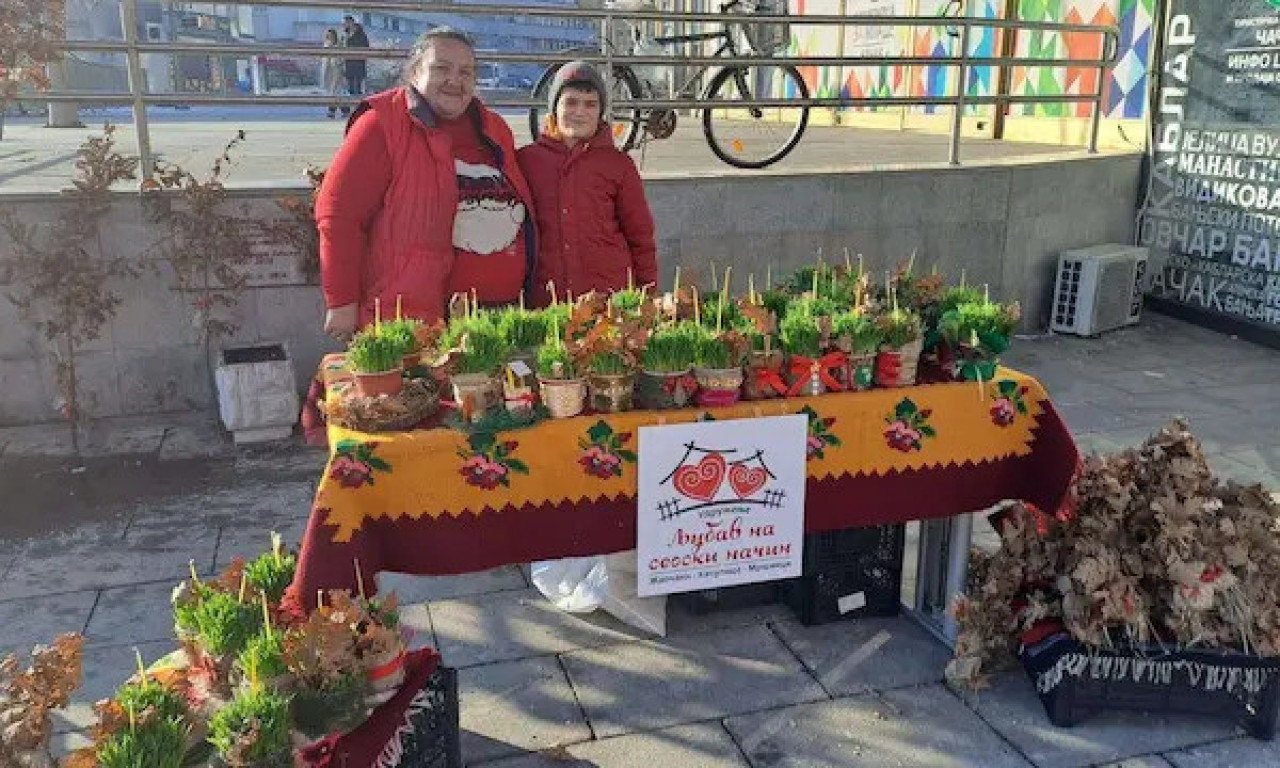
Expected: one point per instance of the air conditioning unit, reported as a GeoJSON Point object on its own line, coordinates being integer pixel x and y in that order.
{"type": "Point", "coordinates": [1098, 289]}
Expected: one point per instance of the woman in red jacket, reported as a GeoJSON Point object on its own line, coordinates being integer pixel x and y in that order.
{"type": "Point", "coordinates": [594, 224]}
{"type": "Point", "coordinates": [424, 198]}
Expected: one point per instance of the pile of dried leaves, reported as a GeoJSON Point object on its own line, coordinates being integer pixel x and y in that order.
{"type": "Point", "coordinates": [1156, 552]}
{"type": "Point", "coordinates": [27, 696]}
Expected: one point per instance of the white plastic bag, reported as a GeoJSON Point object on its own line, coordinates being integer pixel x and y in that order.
{"type": "Point", "coordinates": [574, 584]}
{"type": "Point", "coordinates": [583, 584]}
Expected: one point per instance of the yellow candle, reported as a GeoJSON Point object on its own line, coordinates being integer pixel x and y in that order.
{"type": "Point", "coordinates": [359, 578]}
{"type": "Point", "coordinates": [398, 307]}
{"type": "Point", "coordinates": [377, 315]}
{"type": "Point", "coordinates": [751, 288]}
{"type": "Point", "coordinates": [715, 277]}
{"type": "Point", "coordinates": [848, 265]}
{"type": "Point", "coordinates": [697, 309]}
{"type": "Point", "coordinates": [768, 277]}
{"type": "Point", "coordinates": [676, 288]}
{"type": "Point", "coordinates": [631, 280]}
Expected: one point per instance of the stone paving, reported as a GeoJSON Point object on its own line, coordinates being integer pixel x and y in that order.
{"type": "Point", "coordinates": [103, 546]}
{"type": "Point", "coordinates": [282, 141]}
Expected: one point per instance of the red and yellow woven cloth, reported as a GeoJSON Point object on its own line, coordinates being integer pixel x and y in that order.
{"type": "Point", "coordinates": [439, 501]}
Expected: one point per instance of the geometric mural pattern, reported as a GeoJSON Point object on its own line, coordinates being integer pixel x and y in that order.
{"type": "Point", "coordinates": [1124, 87]}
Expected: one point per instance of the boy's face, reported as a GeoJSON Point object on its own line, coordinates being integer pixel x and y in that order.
{"type": "Point", "coordinates": [578, 113]}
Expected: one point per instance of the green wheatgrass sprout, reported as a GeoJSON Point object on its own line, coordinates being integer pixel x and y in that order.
{"type": "Point", "coordinates": [978, 319]}
{"type": "Point", "coordinates": [549, 355]}
{"type": "Point", "coordinates": [141, 695]}
{"type": "Point", "coordinates": [954, 297]}
{"type": "Point", "coordinates": [224, 624]}
{"type": "Point", "coordinates": [155, 742]}
{"type": "Point", "coordinates": [272, 572]}
{"type": "Point", "coordinates": [263, 657]}
{"type": "Point", "coordinates": [730, 318]}
{"type": "Point", "coordinates": [460, 325]}
{"type": "Point", "coordinates": [713, 353]}
{"type": "Point", "coordinates": [811, 307]}
{"type": "Point", "coordinates": [403, 332]}
{"type": "Point", "coordinates": [184, 610]}
{"type": "Point", "coordinates": [671, 349]}
{"type": "Point", "coordinates": [628, 299]}
{"type": "Point", "coordinates": [523, 328]}
{"type": "Point", "coordinates": [262, 713]}
{"type": "Point", "coordinates": [608, 364]}
{"type": "Point", "coordinates": [483, 350]}
{"type": "Point", "coordinates": [800, 334]}
{"type": "Point", "coordinates": [863, 334]}
{"type": "Point", "coordinates": [371, 352]}
{"type": "Point", "coordinates": [777, 301]}
{"type": "Point", "coordinates": [899, 327]}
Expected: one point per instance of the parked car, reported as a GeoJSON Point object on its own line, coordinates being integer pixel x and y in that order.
{"type": "Point", "coordinates": [516, 82]}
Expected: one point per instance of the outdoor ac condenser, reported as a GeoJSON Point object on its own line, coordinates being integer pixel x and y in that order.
{"type": "Point", "coordinates": [1098, 289]}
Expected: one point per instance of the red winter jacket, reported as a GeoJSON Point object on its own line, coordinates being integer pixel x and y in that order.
{"type": "Point", "coordinates": [593, 220]}
{"type": "Point", "coordinates": [385, 210]}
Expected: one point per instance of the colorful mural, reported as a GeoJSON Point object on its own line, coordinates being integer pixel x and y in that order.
{"type": "Point", "coordinates": [1125, 87]}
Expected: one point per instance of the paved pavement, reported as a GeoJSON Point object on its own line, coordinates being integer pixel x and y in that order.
{"type": "Point", "coordinates": [101, 548]}
{"type": "Point", "coordinates": [282, 142]}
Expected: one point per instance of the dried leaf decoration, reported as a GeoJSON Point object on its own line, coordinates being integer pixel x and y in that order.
{"type": "Point", "coordinates": [1157, 552]}
{"type": "Point", "coordinates": [28, 696]}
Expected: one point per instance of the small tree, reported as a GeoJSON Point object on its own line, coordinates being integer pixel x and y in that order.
{"type": "Point", "coordinates": [29, 31]}
{"type": "Point", "coordinates": [204, 244]}
{"type": "Point", "coordinates": [60, 279]}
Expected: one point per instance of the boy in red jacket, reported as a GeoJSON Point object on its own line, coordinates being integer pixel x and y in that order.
{"type": "Point", "coordinates": [594, 224]}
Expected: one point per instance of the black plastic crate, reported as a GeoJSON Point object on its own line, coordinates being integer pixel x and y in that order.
{"type": "Point", "coordinates": [743, 596]}
{"type": "Point", "coordinates": [853, 573]}
{"type": "Point", "coordinates": [1074, 683]}
{"type": "Point", "coordinates": [435, 739]}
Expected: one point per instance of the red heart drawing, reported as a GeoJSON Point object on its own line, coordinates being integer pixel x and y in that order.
{"type": "Point", "coordinates": [701, 481]}
{"type": "Point", "coordinates": [746, 480]}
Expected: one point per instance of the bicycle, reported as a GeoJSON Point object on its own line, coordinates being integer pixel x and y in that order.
{"type": "Point", "coordinates": [727, 131]}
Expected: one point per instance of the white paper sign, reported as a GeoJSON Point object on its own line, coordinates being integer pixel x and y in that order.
{"type": "Point", "coordinates": [720, 503]}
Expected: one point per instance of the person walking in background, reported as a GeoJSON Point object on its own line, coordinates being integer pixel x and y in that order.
{"type": "Point", "coordinates": [595, 230]}
{"type": "Point", "coordinates": [355, 69]}
{"type": "Point", "coordinates": [331, 71]}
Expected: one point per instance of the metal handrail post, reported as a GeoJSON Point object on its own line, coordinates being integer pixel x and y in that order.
{"type": "Point", "coordinates": [1095, 120]}
{"type": "Point", "coordinates": [137, 84]}
{"type": "Point", "coordinates": [962, 90]}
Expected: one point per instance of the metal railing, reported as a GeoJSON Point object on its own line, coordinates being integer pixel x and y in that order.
{"type": "Point", "coordinates": [139, 97]}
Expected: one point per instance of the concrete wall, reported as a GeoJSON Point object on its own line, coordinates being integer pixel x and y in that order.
{"type": "Point", "coordinates": [1002, 225]}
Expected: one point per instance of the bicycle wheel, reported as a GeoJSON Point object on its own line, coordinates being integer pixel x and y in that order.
{"type": "Point", "coordinates": [755, 137]}
{"type": "Point", "coordinates": [626, 122]}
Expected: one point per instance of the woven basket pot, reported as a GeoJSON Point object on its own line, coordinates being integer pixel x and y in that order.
{"type": "Point", "coordinates": [897, 367]}
{"type": "Point", "coordinates": [663, 391]}
{"type": "Point", "coordinates": [718, 386]}
{"type": "Point", "coordinates": [564, 398]}
{"type": "Point", "coordinates": [483, 391]}
{"type": "Point", "coordinates": [612, 392]}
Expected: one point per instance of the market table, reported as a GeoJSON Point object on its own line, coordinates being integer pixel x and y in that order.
{"type": "Point", "coordinates": [440, 501]}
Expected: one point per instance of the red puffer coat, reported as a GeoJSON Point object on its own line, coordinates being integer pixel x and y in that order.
{"type": "Point", "coordinates": [385, 210]}
{"type": "Point", "coordinates": [593, 220]}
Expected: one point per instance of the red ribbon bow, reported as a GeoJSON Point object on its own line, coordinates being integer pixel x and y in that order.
{"type": "Point", "coordinates": [769, 378]}
{"type": "Point", "coordinates": [805, 368]}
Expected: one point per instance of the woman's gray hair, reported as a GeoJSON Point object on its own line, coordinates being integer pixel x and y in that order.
{"type": "Point", "coordinates": [428, 39]}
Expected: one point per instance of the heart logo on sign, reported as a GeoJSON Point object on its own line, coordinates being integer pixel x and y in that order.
{"type": "Point", "coordinates": [746, 480]}
{"type": "Point", "coordinates": [701, 481]}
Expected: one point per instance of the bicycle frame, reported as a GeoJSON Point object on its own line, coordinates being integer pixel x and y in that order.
{"type": "Point", "coordinates": [726, 46]}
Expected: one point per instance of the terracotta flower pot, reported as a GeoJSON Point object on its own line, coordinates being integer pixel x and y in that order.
{"type": "Point", "coordinates": [478, 391]}
{"type": "Point", "coordinates": [411, 360]}
{"type": "Point", "coordinates": [564, 398]}
{"type": "Point", "coordinates": [611, 392]}
{"type": "Point", "coordinates": [664, 391]}
{"type": "Point", "coordinates": [383, 383]}
{"type": "Point", "coordinates": [718, 386]}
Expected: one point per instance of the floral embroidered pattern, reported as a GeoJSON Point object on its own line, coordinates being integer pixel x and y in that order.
{"type": "Point", "coordinates": [490, 462]}
{"type": "Point", "coordinates": [354, 464]}
{"type": "Point", "coordinates": [908, 426]}
{"type": "Point", "coordinates": [1010, 403]}
{"type": "Point", "coordinates": [603, 451]}
{"type": "Point", "coordinates": [820, 435]}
